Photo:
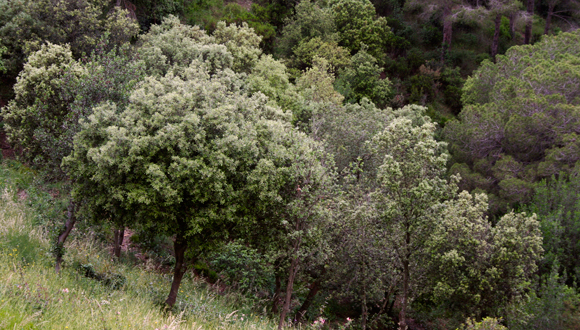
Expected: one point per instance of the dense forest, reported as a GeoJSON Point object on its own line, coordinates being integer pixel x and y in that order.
{"type": "Point", "coordinates": [384, 164]}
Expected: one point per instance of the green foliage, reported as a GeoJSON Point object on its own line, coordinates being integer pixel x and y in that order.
{"type": "Point", "coordinates": [555, 306]}
{"type": "Point", "coordinates": [171, 46]}
{"type": "Point", "coordinates": [481, 269]}
{"type": "Point", "coordinates": [362, 79]}
{"type": "Point", "coordinates": [316, 84]}
{"type": "Point", "coordinates": [521, 116]}
{"type": "Point", "coordinates": [33, 120]}
{"type": "Point", "coordinates": [309, 21]}
{"type": "Point", "coordinates": [27, 25]}
{"type": "Point", "coordinates": [241, 42]}
{"type": "Point", "coordinates": [54, 92]}
{"type": "Point", "coordinates": [270, 78]}
{"type": "Point", "coordinates": [557, 204]}
{"type": "Point", "coordinates": [488, 323]}
{"type": "Point", "coordinates": [307, 50]}
{"type": "Point", "coordinates": [207, 14]}
{"type": "Point", "coordinates": [357, 25]}
{"type": "Point", "coordinates": [242, 267]}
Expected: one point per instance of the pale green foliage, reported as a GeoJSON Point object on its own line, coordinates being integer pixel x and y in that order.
{"type": "Point", "coordinates": [178, 152]}
{"type": "Point", "coordinates": [410, 184]}
{"type": "Point", "coordinates": [310, 21]}
{"type": "Point", "coordinates": [487, 323]}
{"type": "Point", "coordinates": [362, 79]}
{"type": "Point", "coordinates": [172, 46]}
{"type": "Point", "coordinates": [480, 269]}
{"type": "Point", "coordinates": [34, 119]}
{"type": "Point", "coordinates": [308, 50]}
{"type": "Point", "coordinates": [357, 25]}
{"type": "Point", "coordinates": [242, 42]}
{"type": "Point", "coordinates": [269, 76]}
{"type": "Point", "coordinates": [316, 83]}
{"type": "Point", "coordinates": [521, 118]}
{"type": "Point", "coordinates": [27, 24]}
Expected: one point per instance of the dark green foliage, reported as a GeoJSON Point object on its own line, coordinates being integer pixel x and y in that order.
{"type": "Point", "coordinates": [362, 79]}
{"type": "Point", "coordinates": [112, 280]}
{"type": "Point", "coordinates": [207, 13]}
{"type": "Point", "coordinates": [557, 204]}
{"type": "Point", "coordinates": [555, 306]}
{"type": "Point", "coordinates": [521, 119]}
{"type": "Point", "coordinates": [242, 267]}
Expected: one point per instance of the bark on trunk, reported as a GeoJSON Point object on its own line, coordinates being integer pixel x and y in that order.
{"type": "Point", "coordinates": [447, 32]}
{"type": "Point", "coordinates": [180, 246]}
{"type": "Point", "coordinates": [495, 44]}
{"type": "Point", "coordinates": [528, 33]}
{"type": "Point", "coordinates": [119, 234]}
{"type": "Point", "coordinates": [277, 293]}
{"type": "Point", "coordinates": [406, 273]}
{"type": "Point", "coordinates": [314, 288]}
{"type": "Point", "coordinates": [549, 18]}
{"type": "Point", "coordinates": [289, 288]}
{"type": "Point", "coordinates": [68, 227]}
{"type": "Point", "coordinates": [512, 26]}
{"type": "Point", "coordinates": [402, 313]}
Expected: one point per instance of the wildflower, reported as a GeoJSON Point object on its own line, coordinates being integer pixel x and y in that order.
{"type": "Point", "coordinates": [65, 290]}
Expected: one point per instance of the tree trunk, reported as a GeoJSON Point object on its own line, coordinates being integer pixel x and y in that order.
{"type": "Point", "coordinates": [447, 32]}
{"type": "Point", "coordinates": [314, 288]}
{"type": "Point", "coordinates": [512, 26]}
{"type": "Point", "coordinates": [277, 293]}
{"type": "Point", "coordinates": [180, 246]}
{"type": "Point", "coordinates": [406, 260]}
{"type": "Point", "coordinates": [495, 44]}
{"type": "Point", "coordinates": [549, 18]}
{"type": "Point", "coordinates": [402, 313]}
{"type": "Point", "coordinates": [289, 288]}
{"type": "Point", "coordinates": [528, 34]}
{"type": "Point", "coordinates": [119, 234]}
{"type": "Point", "coordinates": [68, 227]}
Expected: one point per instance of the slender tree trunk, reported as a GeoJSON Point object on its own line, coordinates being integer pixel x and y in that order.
{"type": "Point", "coordinates": [364, 307]}
{"type": "Point", "coordinates": [402, 313]}
{"type": "Point", "coordinates": [68, 227]}
{"type": "Point", "coordinates": [119, 235]}
{"type": "Point", "coordinates": [495, 43]}
{"type": "Point", "coordinates": [314, 288]}
{"type": "Point", "coordinates": [512, 26]}
{"type": "Point", "coordinates": [528, 33]}
{"type": "Point", "coordinates": [289, 288]}
{"type": "Point", "coordinates": [406, 273]}
{"type": "Point", "coordinates": [180, 246]}
{"type": "Point", "coordinates": [549, 18]}
{"type": "Point", "coordinates": [447, 31]}
{"type": "Point", "coordinates": [277, 293]}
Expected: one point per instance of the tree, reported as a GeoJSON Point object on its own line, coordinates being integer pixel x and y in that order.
{"type": "Point", "coordinates": [357, 24]}
{"type": "Point", "coordinates": [479, 269]}
{"type": "Point", "coordinates": [498, 9]}
{"type": "Point", "coordinates": [193, 156]}
{"type": "Point", "coordinates": [27, 24]}
{"type": "Point", "coordinates": [410, 185]}
{"type": "Point", "coordinates": [556, 202]}
{"type": "Point", "coordinates": [362, 78]}
{"type": "Point", "coordinates": [310, 21]}
{"type": "Point", "coordinates": [53, 93]}
{"type": "Point", "coordinates": [446, 10]}
{"type": "Point", "coordinates": [519, 123]}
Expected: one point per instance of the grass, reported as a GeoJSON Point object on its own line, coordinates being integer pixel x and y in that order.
{"type": "Point", "coordinates": [32, 296]}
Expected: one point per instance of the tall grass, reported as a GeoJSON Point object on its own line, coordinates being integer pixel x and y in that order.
{"type": "Point", "coordinates": [32, 296]}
